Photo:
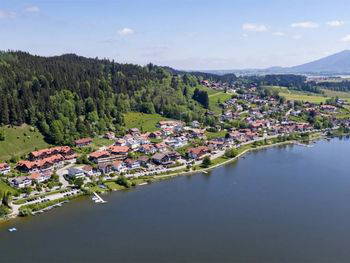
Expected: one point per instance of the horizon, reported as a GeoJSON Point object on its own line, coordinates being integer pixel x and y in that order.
{"type": "Point", "coordinates": [218, 38]}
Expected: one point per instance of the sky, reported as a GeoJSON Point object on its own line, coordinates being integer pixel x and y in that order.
{"type": "Point", "coordinates": [184, 34]}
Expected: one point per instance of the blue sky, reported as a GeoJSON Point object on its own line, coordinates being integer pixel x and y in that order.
{"type": "Point", "coordinates": [185, 34]}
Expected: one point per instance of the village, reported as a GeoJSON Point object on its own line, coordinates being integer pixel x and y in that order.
{"type": "Point", "coordinates": [247, 118]}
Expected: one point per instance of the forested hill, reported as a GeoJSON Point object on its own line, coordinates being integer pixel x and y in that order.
{"type": "Point", "coordinates": [69, 96]}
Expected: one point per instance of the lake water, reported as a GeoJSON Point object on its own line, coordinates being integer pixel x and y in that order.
{"type": "Point", "coordinates": [283, 204]}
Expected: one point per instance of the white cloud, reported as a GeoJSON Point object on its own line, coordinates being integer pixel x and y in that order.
{"type": "Point", "coordinates": [32, 9]}
{"type": "Point", "coordinates": [345, 39]}
{"type": "Point", "coordinates": [305, 24]}
{"type": "Point", "coordinates": [126, 31]}
{"type": "Point", "coordinates": [335, 23]}
{"type": "Point", "coordinates": [280, 34]}
{"type": "Point", "coordinates": [7, 14]}
{"type": "Point", "coordinates": [297, 37]}
{"type": "Point", "coordinates": [254, 27]}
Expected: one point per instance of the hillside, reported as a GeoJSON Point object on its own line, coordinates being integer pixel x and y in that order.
{"type": "Point", "coordinates": [336, 63]}
{"type": "Point", "coordinates": [70, 96]}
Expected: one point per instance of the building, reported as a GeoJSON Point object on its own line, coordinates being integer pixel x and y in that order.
{"type": "Point", "coordinates": [21, 182]}
{"type": "Point", "coordinates": [83, 142]}
{"type": "Point", "coordinates": [74, 173]}
{"type": "Point", "coordinates": [197, 152]}
{"type": "Point", "coordinates": [4, 168]}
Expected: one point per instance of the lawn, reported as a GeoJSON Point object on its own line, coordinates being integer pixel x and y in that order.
{"type": "Point", "coordinates": [114, 186]}
{"type": "Point", "coordinates": [20, 140]}
{"type": "Point", "coordinates": [145, 122]}
{"type": "Point", "coordinates": [216, 99]}
{"type": "Point", "coordinates": [99, 142]}
{"type": "Point", "coordinates": [304, 97]}
{"type": "Point", "coordinates": [6, 188]}
{"type": "Point", "coordinates": [214, 135]}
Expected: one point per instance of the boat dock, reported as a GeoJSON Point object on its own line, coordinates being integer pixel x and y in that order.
{"type": "Point", "coordinates": [98, 199]}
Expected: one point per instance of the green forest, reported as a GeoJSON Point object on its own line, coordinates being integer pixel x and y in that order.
{"type": "Point", "coordinates": [67, 97]}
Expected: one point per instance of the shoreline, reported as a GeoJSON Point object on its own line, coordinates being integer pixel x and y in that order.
{"type": "Point", "coordinates": [187, 173]}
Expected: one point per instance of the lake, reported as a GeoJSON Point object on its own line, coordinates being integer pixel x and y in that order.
{"type": "Point", "coordinates": [282, 204]}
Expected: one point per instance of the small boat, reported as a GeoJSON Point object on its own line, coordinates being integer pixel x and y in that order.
{"type": "Point", "coordinates": [143, 184]}
{"type": "Point", "coordinates": [205, 172]}
{"type": "Point", "coordinates": [13, 229]}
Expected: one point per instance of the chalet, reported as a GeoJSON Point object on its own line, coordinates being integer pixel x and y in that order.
{"type": "Point", "coordinates": [4, 168]}
{"type": "Point", "coordinates": [83, 142]}
{"type": "Point", "coordinates": [132, 164]}
{"type": "Point", "coordinates": [161, 158]}
{"type": "Point", "coordinates": [105, 168]}
{"type": "Point", "coordinates": [198, 152]}
{"type": "Point", "coordinates": [65, 151]}
{"type": "Point", "coordinates": [74, 173]}
{"type": "Point", "coordinates": [110, 135]}
{"type": "Point", "coordinates": [88, 170]}
{"type": "Point", "coordinates": [119, 150]}
{"type": "Point", "coordinates": [161, 147]}
{"type": "Point", "coordinates": [39, 178]}
{"type": "Point", "coordinates": [21, 182]}
{"type": "Point", "coordinates": [54, 161]}
{"type": "Point", "coordinates": [155, 135]}
{"type": "Point", "coordinates": [143, 160]}
{"type": "Point", "coordinates": [120, 142]}
{"type": "Point", "coordinates": [118, 166]}
{"type": "Point", "coordinates": [147, 149]}
{"type": "Point", "coordinates": [99, 156]}
{"type": "Point", "coordinates": [134, 131]}
{"type": "Point", "coordinates": [165, 158]}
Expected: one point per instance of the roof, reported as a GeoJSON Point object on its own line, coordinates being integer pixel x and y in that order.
{"type": "Point", "coordinates": [118, 149]}
{"type": "Point", "coordinates": [50, 151]}
{"type": "Point", "coordinates": [4, 166]}
{"type": "Point", "coordinates": [99, 154]}
{"type": "Point", "coordinates": [83, 140]}
{"type": "Point", "coordinates": [198, 150]}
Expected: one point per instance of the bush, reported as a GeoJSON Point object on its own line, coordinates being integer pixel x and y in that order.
{"type": "Point", "coordinates": [206, 162]}
{"type": "Point", "coordinates": [231, 153]}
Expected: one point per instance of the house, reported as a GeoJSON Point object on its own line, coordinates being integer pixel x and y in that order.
{"type": "Point", "coordinates": [155, 135]}
{"type": "Point", "coordinates": [99, 156]}
{"type": "Point", "coordinates": [161, 159]}
{"type": "Point", "coordinates": [88, 170]}
{"type": "Point", "coordinates": [21, 182]}
{"type": "Point", "coordinates": [161, 147]}
{"type": "Point", "coordinates": [120, 142]}
{"type": "Point", "coordinates": [46, 164]}
{"type": "Point", "coordinates": [134, 131]}
{"type": "Point", "coordinates": [105, 168]}
{"type": "Point", "coordinates": [4, 168]}
{"type": "Point", "coordinates": [147, 149]}
{"type": "Point", "coordinates": [118, 150]}
{"type": "Point", "coordinates": [74, 173]}
{"type": "Point", "coordinates": [165, 158]}
{"type": "Point", "coordinates": [197, 152]}
{"type": "Point", "coordinates": [143, 160]}
{"type": "Point", "coordinates": [109, 135]}
{"type": "Point", "coordinates": [118, 166]}
{"type": "Point", "coordinates": [195, 124]}
{"type": "Point", "coordinates": [83, 142]}
{"type": "Point", "coordinates": [39, 178]}
{"type": "Point", "coordinates": [65, 151]}
{"type": "Point", "coordinates": [132, 164]}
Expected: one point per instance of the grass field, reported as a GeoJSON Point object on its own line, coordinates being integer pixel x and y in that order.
{"type": "Point", "coordinates": [217, 98]}
{"type": "Point", "coordinates": [19, 141]}
{"type": "Point", "coordinates": [5, 188]}
{"type": "Point", "coordinates": [145, 122]}
{"type": "Point", "coordinates": [303, 97]}
{"type": "Point", "coordinates": [214, 135]}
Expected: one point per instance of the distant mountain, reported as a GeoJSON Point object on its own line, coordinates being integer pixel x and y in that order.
{"type": "Point", "coordinates": [337, 63]}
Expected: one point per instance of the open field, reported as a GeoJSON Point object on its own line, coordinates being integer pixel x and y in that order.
{"type": "Point", "coordinates": [5, 188]}
{"type": "Point", "coordinates": [145, 122]}
{"type": "Point", "coordinates": [217, 98]}
{"type": "Point", "coordinates": [339, 94]}
{"type": "Point", "coordinates": [303, 97]}
{"type": "Point", "coordinates": [19, 141]}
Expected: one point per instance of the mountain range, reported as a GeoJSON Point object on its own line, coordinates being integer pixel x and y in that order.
{"type": "Point", "coordinates": [338, 63]}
